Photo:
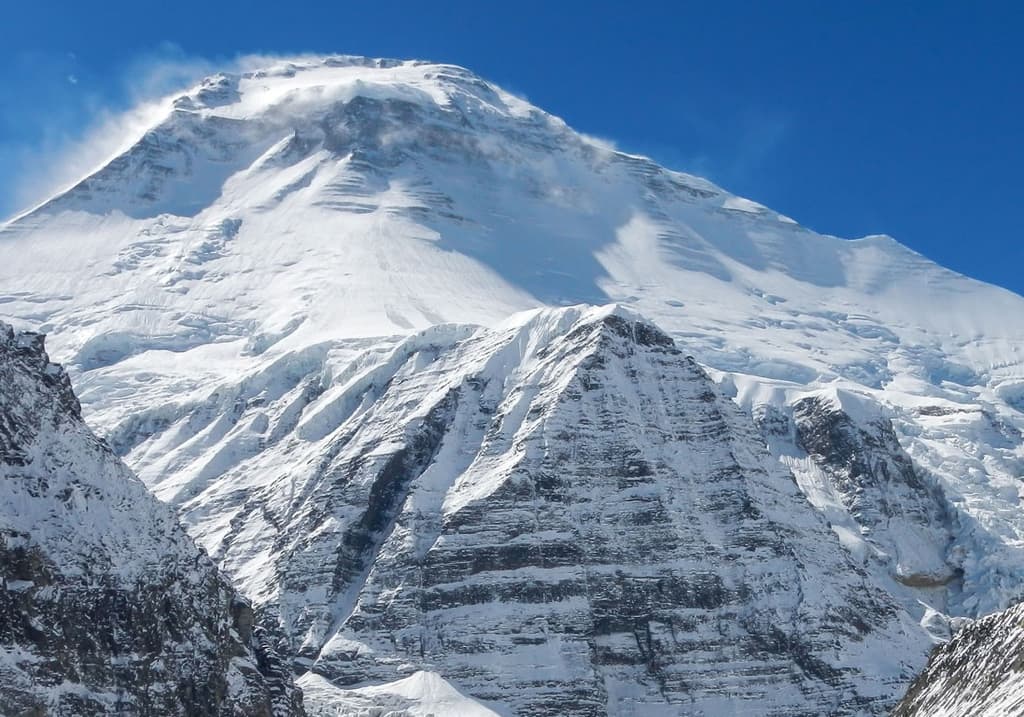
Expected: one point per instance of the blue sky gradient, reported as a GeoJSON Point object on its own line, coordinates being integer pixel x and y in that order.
{"type": "Point", "coordinates": [853, 118]}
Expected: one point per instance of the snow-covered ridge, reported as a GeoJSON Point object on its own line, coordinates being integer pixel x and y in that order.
{"type": "Point", "coordinates": [976, 674]}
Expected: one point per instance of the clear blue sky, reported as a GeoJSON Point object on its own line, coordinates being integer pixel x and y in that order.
{"type": "Point", "coordinates": [905, 118]}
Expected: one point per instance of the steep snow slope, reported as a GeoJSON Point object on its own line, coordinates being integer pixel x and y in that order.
{"type": "Point", "coordinates": [976, 674]}
{"type": "Point", "coordinates": [106, 605]}
{"type": "Point", "coordinates": [423, 694]}
{"type": "Point", "coordinates": [248, 249]}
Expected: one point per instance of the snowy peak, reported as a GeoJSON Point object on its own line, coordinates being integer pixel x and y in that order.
{"type": "Point", "coordinates": [230, 121]}
{"type": "Point", "coordinates": [306, 85]}
{"type": "Point", "coordinates": [286, 305]}
{"type": "Point", "coordinates": [456, 202]}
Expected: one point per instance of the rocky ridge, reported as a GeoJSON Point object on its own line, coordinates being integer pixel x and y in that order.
{"type": "Point", "coordinates": [106, 604]}
{"type": "Point", "coordinates": [978, 673]}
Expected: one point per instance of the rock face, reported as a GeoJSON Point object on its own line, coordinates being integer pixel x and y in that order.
{"type": "Point", "coordinates": [901, 514]}
{"type": "Point", "coordinates": [106, 605]}
{"type": "Point", "coordinates": [892, 516]}
{"type": "Point", "coordinates": [979, 673]}
{"type": "Point", "coordinates": [561, 515]}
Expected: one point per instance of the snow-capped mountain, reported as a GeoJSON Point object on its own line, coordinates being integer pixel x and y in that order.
{"type": "Point", "coordinates": [107, 606]}
{"type": "Point", "coordinates": [287, 304]}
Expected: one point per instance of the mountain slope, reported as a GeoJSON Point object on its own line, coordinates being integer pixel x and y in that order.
{"type": "Point", "coordinates": [976, 674]}
{"type": "Point", "coordinates": [106, 605]}
{"type": "Point", "coordinates": [561, 514]}
{"type": "Point", "coordinates": [240, 283]}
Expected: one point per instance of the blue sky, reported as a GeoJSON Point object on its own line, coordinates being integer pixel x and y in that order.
{"type": "Point", "coordinates": [856, 118]}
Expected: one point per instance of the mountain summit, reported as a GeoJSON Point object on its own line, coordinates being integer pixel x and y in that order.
{"type": "Point", "coordinates": [334, 311]}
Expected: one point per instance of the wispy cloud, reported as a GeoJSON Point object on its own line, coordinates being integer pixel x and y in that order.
{"type": "Point", "coordinates": [734, 152]}
{"type": "Point", "coordinates": [602, 143]}
{"type": "Point", "coordinates": [69, 120]}
{"type": "Point", "coordinates": [761, 133]}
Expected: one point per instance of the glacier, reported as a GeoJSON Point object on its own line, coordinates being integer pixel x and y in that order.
{"type": "Point", "coordinates": [260, 301]}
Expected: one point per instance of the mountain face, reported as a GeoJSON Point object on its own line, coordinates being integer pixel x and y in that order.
{"type": "Point", "coordinates": [976, 674]}
{"type": "Point", "coordinates": [287, 306]}
{"type": "Point", "coordinates": [562, 514]}
{"type": "Point", "coordinates": [106, 606]}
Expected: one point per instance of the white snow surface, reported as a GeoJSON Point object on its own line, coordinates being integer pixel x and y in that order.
{"type": "Point", "coordinates": [283, 237]}
{"type": "Point", "coordinates": [422, 694]}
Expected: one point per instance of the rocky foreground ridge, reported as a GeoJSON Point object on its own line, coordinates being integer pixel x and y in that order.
{"type": "Point", "coordinates": [979, 673]}
{"type": "Point", "coordinates": [106, 605]}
